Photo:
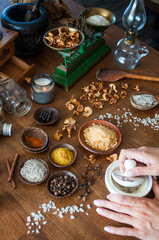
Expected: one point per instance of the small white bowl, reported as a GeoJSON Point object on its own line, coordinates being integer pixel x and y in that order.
{"type": "Point", "coordinates": [142, 191]}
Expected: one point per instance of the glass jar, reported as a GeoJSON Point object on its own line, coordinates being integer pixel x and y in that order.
{"type": "Point", "coordinates": [43, 88]}
{"type": "Point", "coordinates": [14, 97]}
{"type": "Point", "coordinates": [1, 111]}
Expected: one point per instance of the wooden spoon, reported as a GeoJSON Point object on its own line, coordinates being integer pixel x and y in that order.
{"type": "Point", "coordinates": [113, 75]}
{"type": "Point", "coordinates": [137, 106]}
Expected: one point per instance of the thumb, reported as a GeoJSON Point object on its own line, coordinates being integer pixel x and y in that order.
{"type": "Point", "coordinates": [155, 188]}
{"type": "Point", "coordinates": [143, 171]}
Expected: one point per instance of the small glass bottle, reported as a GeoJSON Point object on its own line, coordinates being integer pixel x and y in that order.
{"type": "Point", "coordinates": [14, 97]}
{"type": "Point", "coordinates": [5, 129]}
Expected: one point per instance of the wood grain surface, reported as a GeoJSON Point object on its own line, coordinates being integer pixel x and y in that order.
{"type": "Point", "coordinates": [17, 204]}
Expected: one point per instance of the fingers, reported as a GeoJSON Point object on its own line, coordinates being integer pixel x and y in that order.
{"type": "Point", "coordinates": [126, 200]}
{"type": "Point", "coordinates": [118, 217]}
{"type": "Point", "coordinates": [137, 154]}
{"type": "Point", "coordinates": [123, 231]}
{"type": "Point", "coordinates": [113, 206]}
{"type": "Point", "coordinates": [143, 171]}
{"type": "Point", "coordinates": [155, 188]}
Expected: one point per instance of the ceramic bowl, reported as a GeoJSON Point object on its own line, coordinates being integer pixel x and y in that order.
{"type": "Point", "coordinates": [34, 183]}
{"type": "Point", "coordinates": [112, 187]}
{"type": "Point", "coordinates": [62, 173]}
{"type": "Point", "coordinates": [156, 99]}
{"type": "Point", "coordinates": [36, 133]}
{"type": "Point", "coordinates": [54, 117]}
{"type": "Point", "coordinates": [63, 145]}
{"type": "Point", "coordinates": [98, 122]}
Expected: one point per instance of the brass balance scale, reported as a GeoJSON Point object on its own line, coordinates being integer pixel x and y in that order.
{"type": "Point", "coordinates": [90, 49]}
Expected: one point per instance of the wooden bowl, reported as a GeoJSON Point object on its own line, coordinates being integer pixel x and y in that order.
{"type": "Point", "coordinates": [37, 133]}
{"type": "Point", "coordinates": [62, 145]}
{"type": "Point", "coordinates": [34, 183]}
{"type": "Point", "coordinates": [98, 122]}
{"type": "Point", "coordinates": [40, 151]}
{"type": "Point", "coordinates": [54, 117]}
{"type": "Point", "coordinates": [62, 173]}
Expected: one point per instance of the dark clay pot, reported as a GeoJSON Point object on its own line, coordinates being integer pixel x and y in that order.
{"type": "Point", "coordinates": [29, 41]}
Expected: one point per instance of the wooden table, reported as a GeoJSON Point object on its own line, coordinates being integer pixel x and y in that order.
{"type": "Point", "coordinates": [16, 205]}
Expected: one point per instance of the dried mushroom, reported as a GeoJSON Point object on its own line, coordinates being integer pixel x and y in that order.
{"type": "Point", "coordinates": [86, 89]}
{"type": "Point", "coordinates": [98, 105]}
{"type": "Point", "coordinates": [100, 86]}
{"type": "Point", "coordinates": [113, 101]}
{"type": "Point", "coordinates": [91, 158]}
{"type": "Point", "coordinates": [105, 97]}
{"type": "Point", "coordinates": [75, 112]}
{"type": "Point", "coordinates": [93, 87]}
{"type": "Point", "coordinates": [91, 97]}
{"type": "Point", "coordinates": [124, 85]}
{"type": "Point", "coordinates": [69, 125]}
{"type": "Point", "coordinates": [137, 88]}
{"type": "Point", "coordinates": [116, 96]}
{"type": "Point", "coordinates": [123, 94]}
{"type": "Point", "coordinates": [83, 97]}
{"type": "Point", "coordinates": [64, 39]}
{"type": "Point", "coordinates": [113, 87]}
{"type": "Point", "coordinates": [105, 90]}
{"type": "Point", "coordinates": [57, 135]}
{"type": "Point", "coordinates": [87, 111]}
{"type": "Point", "coordinates": [112, 157]}
{"type": "Point", "coordinates": [98, 94]}
{"type": "Point", "coordinates": [74, 101]}
{"type": "Point", "coordinates": [80, 108]}
{"type": "Point", "coordinates": [70, 106]}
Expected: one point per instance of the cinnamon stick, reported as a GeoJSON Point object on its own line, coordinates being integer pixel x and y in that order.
{"type": "Point", "coordinates": [13, 167]}
{"type": "Point", "coordinates": [9, 169]}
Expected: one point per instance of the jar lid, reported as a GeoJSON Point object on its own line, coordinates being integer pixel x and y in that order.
{"type": "Point", "coordinates": [7, 129]}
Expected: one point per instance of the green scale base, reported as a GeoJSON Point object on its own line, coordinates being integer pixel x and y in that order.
{"type": "Point", "coordinates": [80, 62]}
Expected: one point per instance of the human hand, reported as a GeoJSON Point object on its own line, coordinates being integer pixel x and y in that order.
{"type": "Point", "coordinates": [146, 155]}
{"type": "Point", "coordinates": [141, 213]}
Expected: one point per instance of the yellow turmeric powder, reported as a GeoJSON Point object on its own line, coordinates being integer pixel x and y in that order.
{"type": "Point", "coordinates": [62, 156]}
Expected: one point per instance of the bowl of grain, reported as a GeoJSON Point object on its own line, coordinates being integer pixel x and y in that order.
{"type": "Point", "coordinates": [99, 137]}
{"type": "Point", "coordinates": [62, 155]}
{"type": "Point", "coordinates": [34, 171]}
{"type": "Point", "coordinates": [98, 19]}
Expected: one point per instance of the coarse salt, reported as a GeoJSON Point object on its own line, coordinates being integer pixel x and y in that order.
{"type": "Point", "coordinates": [98, 20]}
{"type": "Point", "coordinates": [35, 220]}
{"type": "Point", "coordinates": [33, 170]}
{"type": "Point", "coordinates": [135, 121]}
{"type": "Point", "coordinates": [144, 100]}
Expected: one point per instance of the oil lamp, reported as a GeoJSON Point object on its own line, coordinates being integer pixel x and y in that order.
{"type": "Point", "coordinates": [128, 50]}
